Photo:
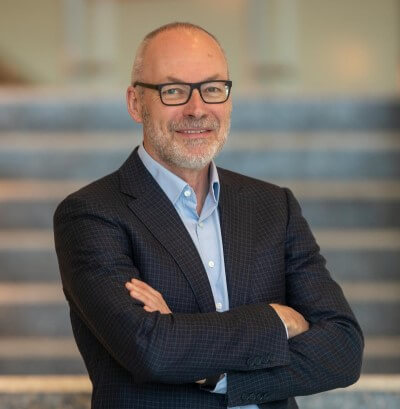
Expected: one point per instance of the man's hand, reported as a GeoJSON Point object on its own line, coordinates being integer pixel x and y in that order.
{"type": "Point", "coordinates": [294, 321]}
{"type": "Point", "coordinates": [152, 299]}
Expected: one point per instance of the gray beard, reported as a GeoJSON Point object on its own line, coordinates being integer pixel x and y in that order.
{"type": "Point", "coordinates": [173, 153]}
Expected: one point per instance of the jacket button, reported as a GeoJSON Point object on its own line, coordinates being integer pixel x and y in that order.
{"type": "Point", "coordinates": [257, 360]}
{"type": "Point", "coordinates": [252, 396]}
{"type": "Point", "coordinates": [266, 359]}
{"type": "Point", "coordinates": [244, 397]}
{"type": "Point", "coordinates": [250, 362]}
{"type": "Point", "coordinates": [259, 397]}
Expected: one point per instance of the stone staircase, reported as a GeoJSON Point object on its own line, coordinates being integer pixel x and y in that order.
{"type": "Point", "coordinates": [341, 159]}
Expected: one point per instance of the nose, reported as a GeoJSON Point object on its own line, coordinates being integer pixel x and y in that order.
{"type": "Point", "coordinates": [195, 107]}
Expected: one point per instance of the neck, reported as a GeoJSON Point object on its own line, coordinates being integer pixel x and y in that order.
{"type": "Point", "coordinates": [198, 180]}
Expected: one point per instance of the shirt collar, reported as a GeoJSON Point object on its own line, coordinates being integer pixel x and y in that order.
{"type": "Point", "coordinates": [171, 184]}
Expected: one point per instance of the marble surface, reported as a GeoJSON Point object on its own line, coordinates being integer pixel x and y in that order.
{"type": "Point", "coordinates": [335, 400]}
{"type": "Point", "coordinates": [45, 401]}
{"type": "Point", "coordinates": [354, 400]}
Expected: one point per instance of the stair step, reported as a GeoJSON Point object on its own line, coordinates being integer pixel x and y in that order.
{"type": "Point", "coordinates": [352, 239]}
{"type": "Point", "coordinates": [362, 291]}
{"type": "Point", "coordinates": [44, 319]}
{"type": "Point", "coordinates": [60, 165]}
{"type": "Point", "coordinates": [41, 365]}
{"type": "Point", "coordinates": [20, 348]}
{"type": "Point", "coordinates": [338, 190]}
{"type": "Point", "coordinates": [65, 392]}
{"type": "Point", "coordinates": [27, 214]}
{"type": "Point", "coordinates": [320, 214]}
{"type": "Point", "coordinates": [38, 265]}
{"type": "Point", "coordinates": [55, 114]}
{"type": "Point", "coordinates": [377, 318]}
{"type": "Point", "coordinates": [12, 293]}
{"type": "Point", "coordinates": [40, 355]}
{"type": "Point", "coordinates": [46, 314]}
{"type": "Point", "coordinates": [23, 264]}
{"type": "Point", "coordinates": [53, 319]}
{"type": "Point", "coordinates": [369, 265]}
{"type": "Point", "coordinates": [13, 190]}
{"type": "Point", "coordinates": [81, 384]}
{"type": "Point", "coordinates": [248, 141]}
{"type": "Point", "coordinates": [346, 165]}
{"type": "Point", "coordinates": [351, 213]}
{"type": "Point", "coordinates": [50, 113]}
{"type": "Point", "coordinates": [65, 347]}
{"type": "Point", "coordinates": [44, 384]}
{"type": "Point", "coordinates": [268, 165]}
{"type": "Point", "coordinates": [31, 190]}
{"type": "Point", "coordinates": [89, 142]}
{"type": "Point", "coordinates": [31, 293]}
{"type": "Point", "coordinates": [328, 239]}
{"type": "Point", "coordinates": [380, 365]}
{"type": "Point", "coordinates": [28, 239]}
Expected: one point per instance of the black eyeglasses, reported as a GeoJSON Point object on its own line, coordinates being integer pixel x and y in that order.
{"type": "Point", "coordinates": [179, 93]}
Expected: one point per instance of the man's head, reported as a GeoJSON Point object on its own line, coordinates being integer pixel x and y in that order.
{"type": "Point", "coordinates": [188, 135]}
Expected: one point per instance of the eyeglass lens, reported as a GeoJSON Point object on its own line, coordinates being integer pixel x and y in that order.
{"type": "Point", "coordinates": [211, 92]}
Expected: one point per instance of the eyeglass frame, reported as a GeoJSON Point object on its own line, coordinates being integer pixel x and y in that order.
{"type": "Point", "coordinates": [193, 85]}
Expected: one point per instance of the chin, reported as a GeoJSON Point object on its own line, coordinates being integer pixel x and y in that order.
{"type": "Point", "coordinates": [193, 163]}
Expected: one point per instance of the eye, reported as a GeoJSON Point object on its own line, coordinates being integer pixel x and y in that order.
{"type": "Point", "coordinates": [213, 89]}
{"type": "Point", "coordinates": [173, 91]}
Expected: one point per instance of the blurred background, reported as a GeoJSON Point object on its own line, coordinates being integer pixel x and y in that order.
{"type": "Point", "coordinates": [316, 108]}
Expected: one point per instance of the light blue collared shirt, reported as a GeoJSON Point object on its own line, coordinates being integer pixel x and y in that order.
{"type": "Point", "coordinates": [204, 229]}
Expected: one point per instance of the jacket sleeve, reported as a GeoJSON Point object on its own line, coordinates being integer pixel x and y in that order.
{"type": "Point", "coordinates": [95, 259]}
{"type": "Point", "coordinates": [329, 354]}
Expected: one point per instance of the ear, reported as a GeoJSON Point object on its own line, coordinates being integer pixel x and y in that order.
{"type": "Point", "coordinates": [133, 104]}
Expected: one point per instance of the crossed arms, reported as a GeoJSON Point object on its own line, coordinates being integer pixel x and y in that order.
{"type": "Point", "coordinates": [249, 343]}
{"type": "Point", "coordinates": [153, 301]}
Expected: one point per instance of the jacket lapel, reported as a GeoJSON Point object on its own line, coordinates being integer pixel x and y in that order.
{"type": "Point", "coordinates": [236, 215]}
{"type": "Point", "coordinates": [157, 213]}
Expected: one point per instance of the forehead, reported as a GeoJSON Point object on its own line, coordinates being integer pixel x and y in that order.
{"type": "Point", "coordinates": [189, 56]}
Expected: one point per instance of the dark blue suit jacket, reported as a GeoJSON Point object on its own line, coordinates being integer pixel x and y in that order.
{"type": "Point", "coordinates": [123, 226]}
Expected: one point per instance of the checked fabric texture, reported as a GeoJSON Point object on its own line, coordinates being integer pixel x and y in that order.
{"type": "Point", "coordinates": [123, 226]}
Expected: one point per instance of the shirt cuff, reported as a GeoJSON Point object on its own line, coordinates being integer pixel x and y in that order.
{"type": "Point", "coordinates": [286, 329]}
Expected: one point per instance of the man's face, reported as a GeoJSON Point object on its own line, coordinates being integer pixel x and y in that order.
{"type": "Point", "coordinates": [186, 136]}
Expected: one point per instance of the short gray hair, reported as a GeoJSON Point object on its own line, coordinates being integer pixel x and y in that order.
{"type": "Point", "coordinates": [137, 68]}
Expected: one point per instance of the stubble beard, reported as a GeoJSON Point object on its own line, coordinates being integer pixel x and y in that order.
{"type": "Point", "coordinates": [187, 153]}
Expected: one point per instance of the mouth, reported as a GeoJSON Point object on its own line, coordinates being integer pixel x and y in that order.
{"type": "Point", "coordinates": [193, 132]}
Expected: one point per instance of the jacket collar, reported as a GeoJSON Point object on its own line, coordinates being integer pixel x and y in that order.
{"type": "Point", "coordinates": [151, 205]}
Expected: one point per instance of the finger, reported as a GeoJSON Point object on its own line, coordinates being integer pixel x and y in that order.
{"type": "Point", "coordinates": [149, 302]}
{"type": "Point", "coordinates": [143, 296]}
{"type": "Point", "coordinates": [153, 300]}
{"type": "Point", "coordinates": [147, 297]}
{"type": "Point", "coordinates": [144, 286]}
{"type": "Point", "coordinates": [142, 290]}
{"type": "Point", "coordinates": [138, 296]}
{"type": "Point", "coordinates": [152, 295]}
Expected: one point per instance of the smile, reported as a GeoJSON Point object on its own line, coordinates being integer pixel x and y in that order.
{"type": "Point", "coordinates": [192, 131]}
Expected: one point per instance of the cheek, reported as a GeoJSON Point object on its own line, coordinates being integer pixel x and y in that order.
{"type": "Point", "coordinates": [223, 112]}
{"type": "Point", "coordinates": [158, 119]}
{"type": "Point", "coordinates": [155, 99]}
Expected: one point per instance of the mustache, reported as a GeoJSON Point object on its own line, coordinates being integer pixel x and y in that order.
{"type": "Point", "coordinates": [193, 123]}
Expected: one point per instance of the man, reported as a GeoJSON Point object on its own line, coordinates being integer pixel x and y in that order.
{"type": "Point", "coordinates": [191, 286]}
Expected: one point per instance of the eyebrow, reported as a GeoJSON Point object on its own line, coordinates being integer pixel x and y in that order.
{"type": "Point", "coordinates": [174, 79]}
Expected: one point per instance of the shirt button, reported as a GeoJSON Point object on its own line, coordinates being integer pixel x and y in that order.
{"type": "Point", "coordinates": [187, 193]}
{"type": "Point", "coordinates": [201, 224]}
{"type": "Point", "coordinates": [211, 264]}
{"type": "Point", "coordinates": [218, 305]}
